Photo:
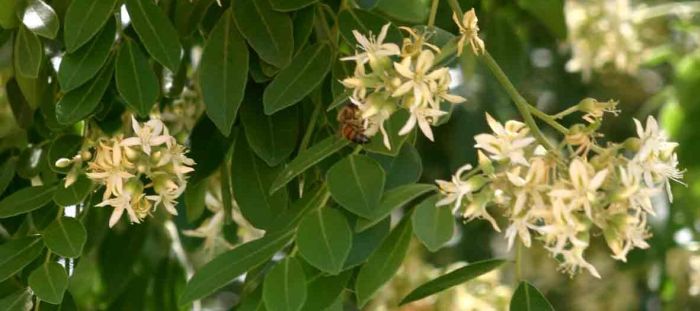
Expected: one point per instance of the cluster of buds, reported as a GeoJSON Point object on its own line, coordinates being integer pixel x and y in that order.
{"type": "Point", "coordinates": [387, 78]}
{"type": "Point", "coordinates": [561, 196]}
{"type": "Point", "coordinates": [140, 173]}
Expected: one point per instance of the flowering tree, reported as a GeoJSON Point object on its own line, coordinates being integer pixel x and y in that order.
{"type": "Point", "coordinates": [181, 154]}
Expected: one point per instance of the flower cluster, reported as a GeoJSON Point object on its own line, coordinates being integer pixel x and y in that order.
{"type": "Point", "coordinates": [387, 78]}
{"type": "Point", "coordinates": [140, 173]}
{"type": "Point", "coordinates": [560, 196]}
{"type": "Point", "coordinates": [602, 33]}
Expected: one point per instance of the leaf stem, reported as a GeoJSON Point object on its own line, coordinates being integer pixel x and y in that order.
{"type": "Point", "coordinates": [433, 13]}
{"type": "Point", "coordinates": [520, 102]}
{"type": "Point", "coordinates": [518, 261]}
{"type": "Point", "coordinates": [550, 120]}
{"type": "Point", "coordinates": [456, 8]}
{"type": "Point", "coordinates": [566, 112]}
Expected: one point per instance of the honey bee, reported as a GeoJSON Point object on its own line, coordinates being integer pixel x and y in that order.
{"type": "Point", "coordinates": [349, 118]}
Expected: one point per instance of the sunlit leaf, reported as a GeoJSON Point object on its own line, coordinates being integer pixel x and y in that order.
{"type": "Point", "coordinates": [298, 79]}
{"type": "Point", "coordinates": [156, 32]}
{"type": "Point", "coordinates": [267, 31]}
{"type": "Point", "coordinates": [285, 286]}
{"type": "Point", "coordinates": [83, 64]}
{"type": "Point", "coordinates": [84, 18]}
{"type": "Point", "coordinates": [324, 239]}
{"type": "Point", "coordinates": [40, 18]}
{"type": "Point", "coordinates": [49, 282]}
{"type": "Point", "coordinates": [65, 236]}
{"type": "Point", "coordinates": [26, 200]}
{"type": "Point", "coordinates": [527, 298]}
{"type": "Point", "coordinates": [433, 225]}
{"type": "Point", "coordinates": [383, 263]}
{"type": "Point", "coordinates": [451, 279]}
{"type": "Point", "coordinates": [136, 81]}
{"type": "Point", "coordinates": [223, 73]}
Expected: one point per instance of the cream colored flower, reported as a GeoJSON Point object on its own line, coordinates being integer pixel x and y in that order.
{"type": "Point", "coordinates": [110, 168]}
{"type": "Point", "coordinates": [656, 159]}
{"type": "Point", "coordinates": [153, 133]}
{"type": "Point", "coordinates": [418, 77]}
{"type": "Point", "coordinates": [121, 202]}
{"type": "Point", "coordinates": [469, 30]}
{"type": "Point", "coordinates": [424, 117]}
{"type": "Point", "coordinates": [581, 190]}
{"type": "Point", "coordinates": [373, 47]}
{"type": "Point", "coordinates": [507, 142]}
{"type": "Point", "coordinates": [167, 192]}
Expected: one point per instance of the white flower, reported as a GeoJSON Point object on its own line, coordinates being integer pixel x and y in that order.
{"type": "Point", "coordinates": [456, 189]}
{"type": "Point", "coordinates": [424, 116]}
{"type": "Point", "coordinates": [582, 187]}
{"type": "Point", "coordinates": [507, 143]}
{"type": "Point", "coordinates": [519, 226]}
{"type": "Point", "coordinates": [373, 47]}
{"type": "Point", "coordinates": [374, 112]}
{"type": "Point", "coordinates": [418, 77]}
{"type": "Point", "coordinates": [469, 29]}
{"type": "Point", "coordinates": [149, 135]}
{"type": "Point", "coordinates": [167, 193]}
{"type": "Point", "coordinates": [441, 90]}
{"type": "Point", "coordinates": [656, 160]}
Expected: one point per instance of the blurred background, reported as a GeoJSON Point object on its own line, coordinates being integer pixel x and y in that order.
{"type": "Point", "coordinates": [645, 54]}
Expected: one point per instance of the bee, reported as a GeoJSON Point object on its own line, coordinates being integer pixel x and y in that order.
{"type": "Point", "coordinates": [349, 118]}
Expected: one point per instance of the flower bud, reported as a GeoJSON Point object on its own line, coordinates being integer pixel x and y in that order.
{"type": "Point", "coordinates": [85, 155]}
{"type": "Point", "coordinates": [131, 154]}
{"type": "Point", "coordinates": [632, 144]}
{"type": "Point", "coordinates": [485, 163]}
{"type": "Point", "coordinates": [63, 162]}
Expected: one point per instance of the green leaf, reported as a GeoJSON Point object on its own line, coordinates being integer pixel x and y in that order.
{"type": "Point", "coordinates": [325, 290]}
{"type": "Point", "coordinates": [285, 286]}
{"type": "Point", "coordinates": [303, 22]}
{"type": "Point", "coordinates": [392, 126]}
{"type": "Point", "coordinates": [21, 109]}
{"type": "Point", "coordinates": [28, 53]}
{"type": "Point", "coordinates": [223, 73]}
{"type": "Point", "coordinates": [289, 220]}
{"type": "Point", "coordinates": [274, 137]}
{"type": "Point", "coordinates": [365, 242]}
{"type": "Point", "coordinates": [40, 18]}
{"type": "Point", "coordinates": [16, 301]}
{"type": "Point", "coordinates": [324, 239]}
{"type": "Point", "coordinates": [194, 199]}
{"type": "Point", "coordinates": [365, 22]}
{"type": "Point", "coordinates": [357, 183]}
{"type": "Point", "coordinates": [451, 279]}
{"type": "Point", "coordinates": [156, 32]}
{"type": "Point", "coordinates": [189, 14]}
{"type": "Point", "coordinates": [15, 254]}
{"type": "Point", "coordinates": [36, 90]}
{"type": "Point", "coordinates": [268, 32]}
{"type": "Point", "coordinates": [251, 178]}
{"type": "Point", "coordinates": [231, 264]}
{"type": "Point", "coordinates": [8, 15]}
{"type": "Point", "coordinates": [550, 13]}
{"type": "Point", "coordinates": [49, 282]}
{"type": "Point", "coordinates": [84, 18]}
{"type": "Point", "coordinates": [433, 225]}
{"type": "Point", "coordinates": [81, 102]}
{"type": "Point", "coordinates": [405, 168]}
{"type": "Point", "coordinates": [7, 172]}
{"type": "Point", "coordinates": [83, 64]}
{"type": "Point", "coordinates": [290, 5]}
{"type": "Point", "coordinates": [410, 11]}
{"type": "Point", "coordinates": [26, 200]}
{"type": "Point", "coordinates": [383, 263]}
{"type": "Point", "coordinates": [136, 81]}
{"type": "Point", "coordinates": [294, 82]}
{"type": "Point", "coordinates": [528, 298]}
{"type": "Point", "coordinates": [65, 236]}
{"type": "Point", "coordinates": [208, 148]}
{"type": "Point", "coordinates": [308, 158]}
{"type": "Point", "coordinates": [74, 194]}
{"type": "Point", "coordinates": [393, 199]}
